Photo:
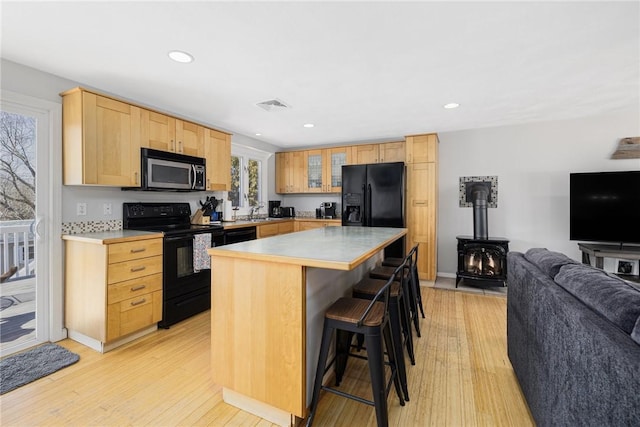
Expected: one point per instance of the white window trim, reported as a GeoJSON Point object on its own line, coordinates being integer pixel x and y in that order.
{"type": "Point", "coordinates": [245, 151]}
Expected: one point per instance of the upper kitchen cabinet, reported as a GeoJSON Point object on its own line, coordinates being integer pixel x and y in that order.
{"type": "Point", "coordinates": [101, 140]}
{"type": "Point", "coordinates": [364, 154]}
{"type": "Point", "coordinates": [323, 169]}
{"type": "Point", "coordinates": [391, 152]}
{"type": "Point", "coordinates": [216, 149]}
{"type": "Point", "coordinates": [422, 148]}
{"type": "Point", "coordinates": [158, 131]}
{"type": "Point", "coordinates": [189, 137]}
{"type": "Point", "coordinates": [290, 172]}
{"type": "Point", "coordinates": [167, 133]}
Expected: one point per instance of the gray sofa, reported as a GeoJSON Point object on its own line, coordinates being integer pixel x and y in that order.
{"type": "Point", "coordinates": [573, 335]}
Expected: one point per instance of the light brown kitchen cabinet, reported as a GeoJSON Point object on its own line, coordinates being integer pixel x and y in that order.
{"type": "Point", "coordinates": [310, 224]}
{"type": "Point", "coordinates": [422, 148]}
{"type": "Point", "coordinates": [274, 229]}
{"type": "Point", "coordinates": [323, 169]}
{"type": "Point", "coordinates": [189, 138]}
{"type": "Point", "coordinates": [290, 172]}
{"type": "Point", "coordinates": [364, 154]}
{"type": "Point", "coordinates": [163, 132]}
{"type": "Point", "coordinates": [113, 289]}
{"type": "Point", "coordinates": [422, 205]}
{"type": "Point", "coordinates": [216, 149]}
{"type": "Point", "coordinates": [389, 152]}
{"type": "Point", "coordinates": [158, 131]}
{"type": "Point", "coordinates": [102, 137]}
{"type": "Point", "coordinates": [101, 140]}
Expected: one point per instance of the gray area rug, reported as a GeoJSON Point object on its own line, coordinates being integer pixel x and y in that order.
{"type": "Point", "coordinates": [23, 368]}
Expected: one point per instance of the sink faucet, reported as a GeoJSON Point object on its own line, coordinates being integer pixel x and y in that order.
{"type": "Point", "coordinates": [255, 210]}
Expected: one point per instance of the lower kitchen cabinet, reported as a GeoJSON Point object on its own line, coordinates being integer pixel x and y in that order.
{"type": "Point", "coordinates": [268, 230]}
{"type": "Point", "coordinates": [310, 224]}
{"type": "Point", "coordinates": [113, 287]}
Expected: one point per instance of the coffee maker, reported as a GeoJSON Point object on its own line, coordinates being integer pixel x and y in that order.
{"type": "Point", "coordinates": [327, 210]}
{"type": "Point", "coordinates": [275, 211]}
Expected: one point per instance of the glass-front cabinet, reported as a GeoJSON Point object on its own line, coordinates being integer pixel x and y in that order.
{"type": "Point", "coordinates": [323, 169]}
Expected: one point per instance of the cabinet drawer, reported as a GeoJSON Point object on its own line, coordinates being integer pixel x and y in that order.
{"type": "Point", "coordinates": [133, 288]}
{"type": "Point", "coordinates": [133, 269]}
{"type": "Point", "coordinates": [126, 251]}
{"type": "Point", "coordinates": [133, 314]}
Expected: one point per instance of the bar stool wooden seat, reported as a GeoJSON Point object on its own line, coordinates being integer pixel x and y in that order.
{"type": "Point", "coordinates": [371, 318]}
{"type": "Point", "coordinates": [368, 288]}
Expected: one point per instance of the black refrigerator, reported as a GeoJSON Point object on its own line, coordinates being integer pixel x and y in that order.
{"type": "Point", "coordinates": [373, 196]}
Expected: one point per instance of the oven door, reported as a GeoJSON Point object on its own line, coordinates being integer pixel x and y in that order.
{"type": "Point", "coordinates": [186, 292]}
{"type": "Point", "coordinates": [179, 274]}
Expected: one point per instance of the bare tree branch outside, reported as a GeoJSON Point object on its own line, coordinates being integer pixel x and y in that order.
{"type": "Point", "coordinates": [17, 166]}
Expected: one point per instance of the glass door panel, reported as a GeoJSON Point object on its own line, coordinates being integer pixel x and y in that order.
{"type": "Point", "coordinates": [22, 236]}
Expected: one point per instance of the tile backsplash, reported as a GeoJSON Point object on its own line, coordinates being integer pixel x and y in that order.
{"type": "Point", "coordinates": [91, 226]}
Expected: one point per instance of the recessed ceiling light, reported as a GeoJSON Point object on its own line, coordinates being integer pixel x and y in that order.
{"type": "Point", "coordinates": [180, 56]}
{"type": "Point", "coordinates": [451, 105]}
{"type": "Point", "coordinates": [308, 125]}
{"type": "Point", "coordinates": [258, 134]}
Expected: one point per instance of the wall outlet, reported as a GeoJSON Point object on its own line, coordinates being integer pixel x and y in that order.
{"type": "Point", "coordinates": [81, 209]}
{"type": "Point", "coordinates": [106, 208]}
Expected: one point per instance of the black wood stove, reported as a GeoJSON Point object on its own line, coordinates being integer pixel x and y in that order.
{"type": "Point", "coordinates": [482, 260]}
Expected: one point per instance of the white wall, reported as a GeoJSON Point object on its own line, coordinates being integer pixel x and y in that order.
{"type": "Point", "coordinates": [532, 163]}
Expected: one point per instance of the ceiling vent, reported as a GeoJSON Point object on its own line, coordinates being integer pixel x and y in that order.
{"type": "Point", "coordinates": [273, 105]}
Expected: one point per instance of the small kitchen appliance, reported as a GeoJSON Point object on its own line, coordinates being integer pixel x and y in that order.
{"type": "Point", "coordinates": [288, 212]}
{"type": "Point", "coordinates": [164, 171]}
{"type": "Point", "coordinates": [328, 210]}
{"type": "Point", "coordinates": [275, 211]}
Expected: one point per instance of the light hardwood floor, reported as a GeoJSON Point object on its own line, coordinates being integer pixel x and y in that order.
{"type": "Point", "coordinates": [462, 378]}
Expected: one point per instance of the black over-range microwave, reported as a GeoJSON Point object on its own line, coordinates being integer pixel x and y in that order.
{"type": "Point", "coordinates": [165, 171]}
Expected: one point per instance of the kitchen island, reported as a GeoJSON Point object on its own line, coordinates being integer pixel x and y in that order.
{"type": "Point", "coordinates": [268, 302]}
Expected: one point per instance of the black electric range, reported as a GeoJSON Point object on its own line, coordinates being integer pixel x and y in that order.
{"type": "Point", "coordinates": [186, 290]}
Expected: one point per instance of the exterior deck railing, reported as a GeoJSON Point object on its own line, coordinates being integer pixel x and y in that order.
{"type": "Point", "coordinates": [17, 248]}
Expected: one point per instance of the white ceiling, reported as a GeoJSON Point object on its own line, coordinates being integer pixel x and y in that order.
{"type": "Point", "coordinates": [359, 71]}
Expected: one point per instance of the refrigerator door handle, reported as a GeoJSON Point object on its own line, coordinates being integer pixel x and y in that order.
{"type": "Point", "coordinates": [368, 206]}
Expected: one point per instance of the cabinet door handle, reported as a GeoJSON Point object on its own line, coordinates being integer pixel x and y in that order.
{"type": "Point", "coordinates": [138, 250]}
{"type": "Point", "coordinates": [134, 269]}
{"type": "Point", "coordinates": [179, 146]}
{"type": "Point", "coordinates": [173, 146]}
{"type": "Point", "coordinates": [138, 288]}
{"type": "Point", "coordinates": [135, 178]}
{"type": "Point", "coordinates": [142, 301]}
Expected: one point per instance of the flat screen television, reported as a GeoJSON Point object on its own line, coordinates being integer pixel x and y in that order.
{"type": "Point", "coordinates": [605, 207]}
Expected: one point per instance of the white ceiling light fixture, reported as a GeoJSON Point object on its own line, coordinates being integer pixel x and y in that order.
{"type": "Point", "coordinates": [308, 125]}
{"type": "Point", "coordinates": [180, 56]}
{"type": "Point", "coordinates": [451, 105]}
{"type": "Point", "coordinates": [258, 134]}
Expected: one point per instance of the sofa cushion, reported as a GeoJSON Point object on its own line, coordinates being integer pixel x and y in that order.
{"type": "Point", "coordinates": [610, 296]}
{"type": "Point", "coordinates": [548, 261]}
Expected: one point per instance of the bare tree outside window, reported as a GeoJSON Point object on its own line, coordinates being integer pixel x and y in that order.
{"type": "Point", "coordinates": [17, 166]}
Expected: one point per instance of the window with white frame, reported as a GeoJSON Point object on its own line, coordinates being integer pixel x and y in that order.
{"type": "Point", "coordinates": [248, 178]}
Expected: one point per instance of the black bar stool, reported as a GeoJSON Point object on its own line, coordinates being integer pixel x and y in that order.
{"type": "Point", "coordinates": [368, 288]}
{"type": "Point", "coordinates": [415, 299]}
{"type": "Point", "coordinates": [350, 316]}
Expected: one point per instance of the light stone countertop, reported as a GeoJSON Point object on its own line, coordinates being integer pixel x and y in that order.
{"type": "Point", "coordinates": [108, 237]}
{"type": "Point", "coordinates": [338, 248]}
